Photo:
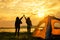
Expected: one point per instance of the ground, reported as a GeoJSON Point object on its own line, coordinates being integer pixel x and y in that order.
{"type": "Point", "coordinates": [22, 36]}
{"type": "Point", "coordinates": [11, 36]}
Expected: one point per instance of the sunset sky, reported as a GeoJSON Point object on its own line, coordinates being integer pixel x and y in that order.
{"type": "Point", "coordinates": [35, 9]}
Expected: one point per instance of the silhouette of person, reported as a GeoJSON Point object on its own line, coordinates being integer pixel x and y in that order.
{"type": "Point", "coordinates": [17, 25]}
{"type": "Point", "coordinates": [29, 24]}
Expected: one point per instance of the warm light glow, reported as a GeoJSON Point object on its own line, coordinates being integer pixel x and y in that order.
{"type": "Point", "coordinates": [35, 9]}
{"type": "Point", "coordinates": [39, 11]}
{"type": "Point", "coordinates": [40, 15]}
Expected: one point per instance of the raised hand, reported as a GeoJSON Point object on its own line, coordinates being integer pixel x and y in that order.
{"type": "Point", "coordinates": [23, 15]}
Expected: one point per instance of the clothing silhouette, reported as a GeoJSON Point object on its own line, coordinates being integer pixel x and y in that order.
{"type": "Point", "coordinates": [17, 25]}
{"type": "Point", "coordinates": [29, 24]}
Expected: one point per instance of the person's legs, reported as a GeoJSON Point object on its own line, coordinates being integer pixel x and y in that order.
{"type": "Point", "coordinates": [29, 29]}
{"type": "Point", "coordinates": [18, 31]}
{"type": "Point", "coordinates": [15, 31]}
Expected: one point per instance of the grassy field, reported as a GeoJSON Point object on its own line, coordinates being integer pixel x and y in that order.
{"type": "Point", "coordinates": [11, 36]}
{"type": "Point", "coordinates": [22, 36]}
{"type": "Point", "coordinates": [8, 34]}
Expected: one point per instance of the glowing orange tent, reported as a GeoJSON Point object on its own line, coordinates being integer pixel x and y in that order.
{"type": "Point", "coordinates": [41, 28]}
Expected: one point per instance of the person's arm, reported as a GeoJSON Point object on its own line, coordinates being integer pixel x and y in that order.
{"type": "Point", "coordinates": [21, 17]}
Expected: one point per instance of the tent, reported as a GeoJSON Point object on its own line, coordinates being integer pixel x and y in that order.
{"type": "Point", "coordinates": [47, 27]}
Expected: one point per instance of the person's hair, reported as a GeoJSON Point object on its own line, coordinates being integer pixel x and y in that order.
{"type": "Point", "coordinates": [17, 18]}
{"type": "Point", "coordinates": [28, 18]}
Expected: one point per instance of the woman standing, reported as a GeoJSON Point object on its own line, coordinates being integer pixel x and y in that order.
{"type": "Point", "coordinates": [17, 25]}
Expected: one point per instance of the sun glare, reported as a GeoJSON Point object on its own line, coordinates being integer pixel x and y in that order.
{"type": "Point", "coordinates": [40, 15]}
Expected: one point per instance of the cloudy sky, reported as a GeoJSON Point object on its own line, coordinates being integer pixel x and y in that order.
{"type": "Point", "coordinates": [10, 9]}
